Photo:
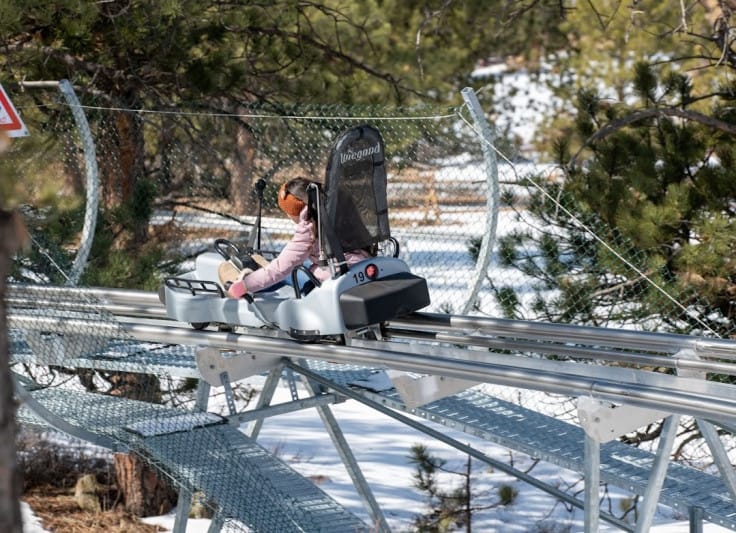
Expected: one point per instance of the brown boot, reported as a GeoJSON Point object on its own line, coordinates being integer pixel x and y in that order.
{"type": "Point", "coordinates": [228, 273]}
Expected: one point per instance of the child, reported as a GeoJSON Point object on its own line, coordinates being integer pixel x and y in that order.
{"type": "Point", "coordinates": [292, 199]}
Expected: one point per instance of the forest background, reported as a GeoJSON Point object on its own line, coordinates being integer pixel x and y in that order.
{"type": "Point", "coordinates": [643, 131]}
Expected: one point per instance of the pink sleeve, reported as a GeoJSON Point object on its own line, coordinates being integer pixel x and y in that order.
{"type": "Point", "coordinates": [294, 254]}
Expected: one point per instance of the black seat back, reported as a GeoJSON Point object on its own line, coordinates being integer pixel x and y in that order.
{"type": "Point", "coordinates": [355, 214]}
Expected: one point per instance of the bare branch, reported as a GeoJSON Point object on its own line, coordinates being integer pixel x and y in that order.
{"type": "Point", "coordinates": [337, 54]}
{"type": "Point", "coordinates": [427, 18]}
{"type": "Point", "coordinates": [598, 15]}
{"type": "Point", "coordinates": [621, 287]}
{"type": "Point", "coordinates": [643, 114]}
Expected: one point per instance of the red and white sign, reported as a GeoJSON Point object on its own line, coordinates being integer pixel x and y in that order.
{"type": "Point", "coordinates": [10, 121]}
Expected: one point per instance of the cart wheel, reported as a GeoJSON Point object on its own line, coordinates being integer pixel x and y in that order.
{"type": "Point", "coordinates": [199, 326]}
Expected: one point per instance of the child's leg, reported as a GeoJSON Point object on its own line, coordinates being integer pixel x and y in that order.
{"type": "Point", "coordinates": [229, 273]}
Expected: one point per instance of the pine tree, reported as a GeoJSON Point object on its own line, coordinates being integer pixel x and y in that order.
{"type": "Point", "coordinates": [449, 508]}
{"type": "Point", "coordinates": [643, 230]}
{"type": "Point", "coordinates": [655, 183]}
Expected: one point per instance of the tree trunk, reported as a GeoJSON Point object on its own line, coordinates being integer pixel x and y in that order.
{"type": "Point", "coordinates": [12, 236]}
{"type": "Point", "coordinates": [120, 158]}
{"type": "Point", "coordinates": [146, 493]}
{"type": "Point", "coordinates": [241, 172]}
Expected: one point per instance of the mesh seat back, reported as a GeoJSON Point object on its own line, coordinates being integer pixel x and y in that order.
{"type": "Point", "coordinates": [355, 190]}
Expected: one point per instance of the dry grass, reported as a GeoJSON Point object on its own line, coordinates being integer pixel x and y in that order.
{"type": "Point", "coordinates": [50, 471]}
{"type": "Point", "coordinates": [59, 513]}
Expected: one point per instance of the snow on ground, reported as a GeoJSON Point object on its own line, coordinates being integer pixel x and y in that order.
{"type": "Point", "coordinates": [31, 523]}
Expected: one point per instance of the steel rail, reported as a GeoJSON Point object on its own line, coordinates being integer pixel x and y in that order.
{"type": "Point", "coordinates": [663, 392]}
{"type": "Point", "coordinates": [581, 342]}
{"type": "Point", "coordinates": [546, 331]}
{"type": "Point", "coordinates": [559, 349]}
{"type": "Point", "coordinates": [148, 302]}
{"type": "Point", "coordinates": [641, 361]}
{"type": "Point", "coordinates": [94, 295]}
{"type": "Point", "coordinates": [119, 309]}
{"type": "Point", "coordinates": [142, 302]}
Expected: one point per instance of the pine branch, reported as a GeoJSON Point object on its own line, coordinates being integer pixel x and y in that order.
{"type": "Point", "coordinates": [643, 114]}
{"type": "Point", "coordinates": [337, 54]}
{"type": "Point", "coordinates": [619, 287]}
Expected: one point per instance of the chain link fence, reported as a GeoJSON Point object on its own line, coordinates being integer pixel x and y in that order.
{"type": "Point", "coordinates": [169, 182]}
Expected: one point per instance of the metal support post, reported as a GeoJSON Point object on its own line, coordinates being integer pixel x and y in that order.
{"type": "Point", "coordinates": [348, 459]}
{"type": "Point", "coordinates": [229, 398]}
{"type": "Point", "coordinates": [269, 411]}
{"type": "Point", "coordinates": [720, 456]}
{"type": "Point", "coordinates": [592, 472]}
{"type": "Point", "coordinates": [659, 471]}
{"type": "Point", "coordinates": [269, 387]}
{"type": "Point", "coordinates": [216, 523]}
{"type": "Point", "coordinates": [184, 499]}
{"type": "Point", "coordinates": [696, 519]}
{"type": "Point", "coordinates": [203, 396]}
{"type": "Point", "coordinates": [183, 505]}
{"type": "Point", "coordinates": [291, 379]}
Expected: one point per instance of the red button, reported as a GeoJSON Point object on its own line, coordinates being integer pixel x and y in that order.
{"type": "Point", "coordinates": [371, 271]}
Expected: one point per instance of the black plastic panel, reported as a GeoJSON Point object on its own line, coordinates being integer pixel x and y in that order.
{"type": "Point", "coordinates": [383, 299]}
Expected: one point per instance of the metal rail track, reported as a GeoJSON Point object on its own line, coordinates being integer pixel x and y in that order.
{"type": "Point", "coordinates": [482, 332]}
{"type": "Point", "coordinates": [625, 372]}
{"type": "Point", "coordinates": [656, 371]}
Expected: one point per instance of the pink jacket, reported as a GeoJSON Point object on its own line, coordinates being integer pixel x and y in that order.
{"type": "Point", "coordinates": [302, 246]}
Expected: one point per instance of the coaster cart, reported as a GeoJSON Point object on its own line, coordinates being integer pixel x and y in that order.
{"type": "Point", "coordinates": [352, 213]}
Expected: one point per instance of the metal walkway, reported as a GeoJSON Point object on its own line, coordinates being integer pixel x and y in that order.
{"type": "Point", "coordinates": [557, 442]}
{"type": "Point", "coordinates": [231, 458]}
{"type": "Point", "coordinates": [203, 452]}
{"type": "Point", "coordinates": [474, 413]}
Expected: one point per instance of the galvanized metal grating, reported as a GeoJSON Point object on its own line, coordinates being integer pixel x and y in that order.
{"type": "Point", "coordinates": [557, 442]}
{"type": "Point", "coordinates": [248, 483]}
{"type": "Point", "coordinates": [474, 413]}
{"type": "Point", "coordinates": [251, 486]}
{"type": "Point", "coordinates": [121, 356]}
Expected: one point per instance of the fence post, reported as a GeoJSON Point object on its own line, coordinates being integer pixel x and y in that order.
{"type": "Point", "coordinates": [90, 162]}
{"type": "Point", "coordinates": [492, 200]}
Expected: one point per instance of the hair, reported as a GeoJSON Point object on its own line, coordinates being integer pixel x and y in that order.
{"type": "Point", "coordinates": [298, 188]}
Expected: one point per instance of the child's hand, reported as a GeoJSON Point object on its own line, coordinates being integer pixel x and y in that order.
{"type": "Point", "coordinates": [237, 289]}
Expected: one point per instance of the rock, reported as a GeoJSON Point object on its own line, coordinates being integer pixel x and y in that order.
{"type": "Point", "coordinates": [86, 493]}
